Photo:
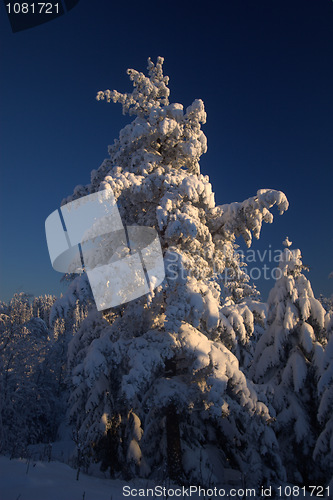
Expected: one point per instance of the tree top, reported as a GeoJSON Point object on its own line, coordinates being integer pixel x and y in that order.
{"type": "Point", "coordinates": [149, 91]}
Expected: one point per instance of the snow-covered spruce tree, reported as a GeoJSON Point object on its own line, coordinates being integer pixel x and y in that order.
{"type": "Point", "coordinates": [323, 452]}
{"type": "Point", "coordinates": [287, 363]}
{"type": "Point", "coordinates": [155, 390]}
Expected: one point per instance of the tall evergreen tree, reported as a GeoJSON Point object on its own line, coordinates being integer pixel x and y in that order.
{"type": "Point", "coordinates": [323, 452]}
{"type": "Point", "coordinates": [287, 363]}
{"type": "Point", "coordinates": [153, 385]}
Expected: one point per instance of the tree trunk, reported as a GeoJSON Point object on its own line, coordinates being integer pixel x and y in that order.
{"type": "Point", "coordinates": [175, 466]}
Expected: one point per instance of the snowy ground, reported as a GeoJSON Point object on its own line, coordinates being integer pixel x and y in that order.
{"type": "Point", "coordinates": [30, 480]}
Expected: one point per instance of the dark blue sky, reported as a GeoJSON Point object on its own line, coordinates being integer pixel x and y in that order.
{"type": "Point", "coordinates": [263, 68]}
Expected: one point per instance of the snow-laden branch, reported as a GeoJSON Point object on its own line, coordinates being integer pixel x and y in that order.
{"type": "Point", "coordinates": [246, 218]}
{"type": "Point", "coordinates": [149, 92]}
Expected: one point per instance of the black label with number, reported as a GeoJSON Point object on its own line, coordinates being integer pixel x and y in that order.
{"type": "Point", "coordinates": [25, 15]}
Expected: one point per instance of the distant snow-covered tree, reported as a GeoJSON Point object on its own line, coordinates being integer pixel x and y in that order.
{"type": "Point", "coordinates": [288, 361]}
{"type": "Point", "coordinates": [323, 452]}
{"type": "Point", "coordinates": [41, 307]}
{"type": "Point", "coordinates": [327, 303]}
{"type": "Point", "coordinates": [19, 308]}
{"type": "Point", "coordinates": [155, 386]}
